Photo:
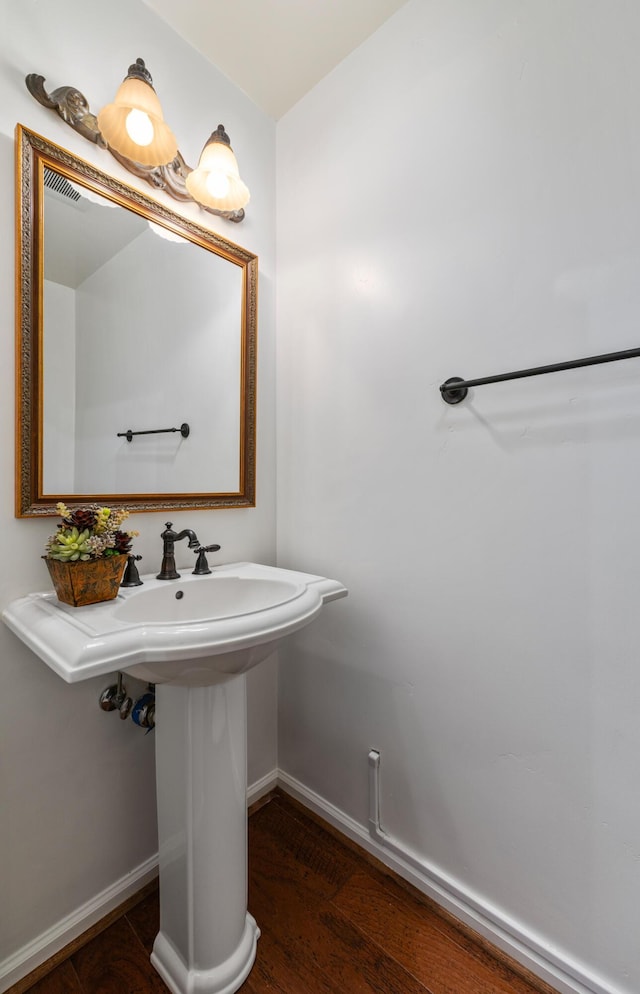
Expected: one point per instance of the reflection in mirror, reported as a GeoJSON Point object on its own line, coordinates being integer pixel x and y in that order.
{"type": "Point", "coordinates": [132, 320]}
{"type": "Point", "coordinates": [135, 347]}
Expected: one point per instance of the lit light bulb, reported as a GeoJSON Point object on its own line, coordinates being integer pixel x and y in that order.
{"type": "Point", "coordinates": [139, 127]}
{"type": "Point", "coordinates": [218, 184]}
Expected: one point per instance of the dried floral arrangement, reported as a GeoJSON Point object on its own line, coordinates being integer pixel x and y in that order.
{"type": "Point", "coordinates": [88, 533]}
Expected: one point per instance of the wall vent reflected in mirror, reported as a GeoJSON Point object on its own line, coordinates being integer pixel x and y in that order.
{"type": "Point", "coordinates": [60, 185]}
{"type": "Point", "coordinates": [128, 315]}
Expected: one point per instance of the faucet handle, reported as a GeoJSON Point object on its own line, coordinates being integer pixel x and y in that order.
{"type": "Point", "coordinates": [202, 566]}
{"type": "Point", "coordinates": [131, 576]}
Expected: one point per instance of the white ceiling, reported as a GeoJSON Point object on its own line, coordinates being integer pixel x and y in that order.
{"type": "Point", "coordinates": [275, 50]}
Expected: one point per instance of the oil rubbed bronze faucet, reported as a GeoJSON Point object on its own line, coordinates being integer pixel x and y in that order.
{"type": "Point", "coordinates": [168, 569]}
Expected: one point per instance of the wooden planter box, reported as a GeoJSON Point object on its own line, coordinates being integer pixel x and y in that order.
{"type": "Point", "coordinates": [90, 582]}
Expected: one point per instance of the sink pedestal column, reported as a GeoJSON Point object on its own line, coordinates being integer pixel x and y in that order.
{"type": "Point", "coordinates": [207, 939]}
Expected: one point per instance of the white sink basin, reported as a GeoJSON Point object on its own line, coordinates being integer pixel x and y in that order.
{"type": "Point", "coordinates": [195, 631]}
{"type": "Point", "coordinates": [205, 599]}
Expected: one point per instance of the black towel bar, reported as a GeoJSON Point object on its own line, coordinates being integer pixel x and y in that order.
{"type": "Point", "coordinates": [128, 434]}
{"type": "Point", "coordinates": [455, 388]}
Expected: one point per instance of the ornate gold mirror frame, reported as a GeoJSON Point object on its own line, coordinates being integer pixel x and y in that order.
{"type": "Point", "coordinates": [33, 155]}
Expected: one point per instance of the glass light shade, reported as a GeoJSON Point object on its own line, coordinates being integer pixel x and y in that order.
{"type": "Point", "coordinates": [133, 125]}
{"type": "Point", "coordinates": [216, 181]}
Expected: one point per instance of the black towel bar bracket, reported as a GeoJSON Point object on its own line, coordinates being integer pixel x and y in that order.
{"type": "Point", "coordinates": [455, 389]}
{"type": "Point", "coordinates": [128, 434]}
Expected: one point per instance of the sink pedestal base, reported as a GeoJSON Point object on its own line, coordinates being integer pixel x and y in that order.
{"type": "Point", "coordinates": [207, 939]}
{"type": "Point", "coordinates": [194, 639]}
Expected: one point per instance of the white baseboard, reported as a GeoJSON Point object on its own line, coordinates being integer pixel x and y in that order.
{"type": "Point", "coordinates": [565, 975]}
{"type": "Point", "coordinates": [507, 934]}
{"type": "Point", "coordinates": [261, 787]}
{"type": "Point", "coordinates": [46, 945]}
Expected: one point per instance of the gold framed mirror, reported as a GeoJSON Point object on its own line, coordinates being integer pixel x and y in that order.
{"type": "Point", "coordinates": [136, 347]}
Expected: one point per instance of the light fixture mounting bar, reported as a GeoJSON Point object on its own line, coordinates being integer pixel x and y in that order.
{"type": "Point", "coordinates": [73, 107]}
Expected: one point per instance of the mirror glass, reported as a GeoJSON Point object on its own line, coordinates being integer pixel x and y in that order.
{"type": "Point", "coordinates": [136, 355]}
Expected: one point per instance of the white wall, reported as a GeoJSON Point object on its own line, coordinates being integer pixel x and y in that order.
{"type": "Point", "coordinates": [77, 785]}
{"type": "Point", "coordinates": [461, 197]}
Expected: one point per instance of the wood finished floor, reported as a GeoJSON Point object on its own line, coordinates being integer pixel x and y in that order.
{"type": "Point", "coordinates": [332, 923]}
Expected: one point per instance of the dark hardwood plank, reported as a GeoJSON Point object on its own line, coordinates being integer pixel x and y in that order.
{"type": "Point", "coordinates": [304, 842]}
{"type": "Point", "coordinates": [253, 986]}
{"type": "Point", "coordinates": [145, 919]}
{"type": "Point", "coordinates": [62, 980]}
{"type": "Point", "coordinates": [323, 954]}
{"type": "Point", "coordinates": [427, 946]}
{"type": "Point", "coordinates": [307, 946]}
{"type": "Point", "coordinates": [272, 864]}
{"type": "Point", "coordinates": [116, 962]}
{"type": "Point", "coordinates": [457, 931]}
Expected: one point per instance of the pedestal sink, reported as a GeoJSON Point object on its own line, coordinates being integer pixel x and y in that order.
{"type": "Point", "coordinates": [195, 638]}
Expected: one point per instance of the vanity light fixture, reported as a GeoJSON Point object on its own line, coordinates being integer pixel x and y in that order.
{"type": "Point", "coordinates": [133, 130]}
{"type": "Point", "coordinates": [216, 181]}
{"type": "Point", "coordinates": [133, 124]}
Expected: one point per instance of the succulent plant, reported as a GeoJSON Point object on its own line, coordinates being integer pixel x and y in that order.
{"type": "Point", "coordinates": [123, 542]}
{"type": "Point", "coordinates": [81, 518]}
{"type": "Point", "coordinates": [89, 533]}
{"type": "Point", "coordinates": [69, 545]}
